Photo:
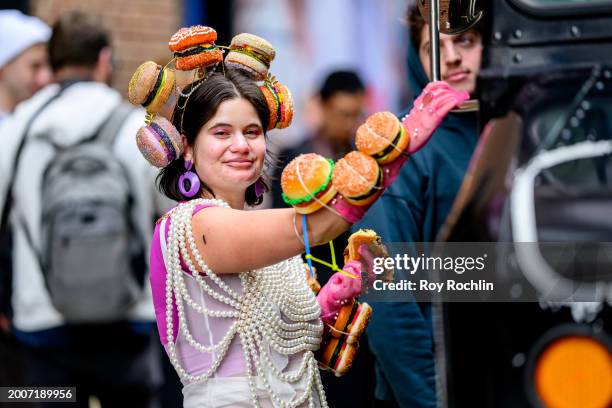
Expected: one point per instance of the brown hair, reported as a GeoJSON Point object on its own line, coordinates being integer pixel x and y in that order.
{"type": "Point", "coordinates": [199, 108]}
{"type": "Point", "coordinates": [77, 40]}
{"type": "Point", "coordinates": [416, 22]}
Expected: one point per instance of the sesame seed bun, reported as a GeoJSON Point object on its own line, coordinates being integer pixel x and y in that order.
{"type": "Point", "coordinates": [338, 356]}
{"type": "Point", "coordinates": [358, 238]}
{"type": "Point", "coordinates": [188, 37]}
{"type": "Point", "coordinates": [280, 104]}
{"type": "Point", "coordinates": [358, 178]}
{"type": "Point", "coordinates": [251, 67]}
{"type": "Point", "coordinates": [142, 82]}
{"type": "Point", "coordinates": [382, 136]}
{"type": "Point", "coordinates": [159, 142]}
{"type": "Point", "coordinates": [340, 350]}
{"type": "Point", "coordinates": [261, 47]}
{"type": "Point", "coordinates": [250, 54]}
{"type": "Point", "coordinates": [306, 183]}
{"type": "Point", "coordinates": [203, 59]}
{"type": "Point", "coordinates": [151, 86]}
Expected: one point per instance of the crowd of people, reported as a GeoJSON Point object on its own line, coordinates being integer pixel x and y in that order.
{"type": "Point", "coordinates": [73, 182]}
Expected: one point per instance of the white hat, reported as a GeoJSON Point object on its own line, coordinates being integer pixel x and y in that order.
{"type": "Point", "coordinates": [19, 32]}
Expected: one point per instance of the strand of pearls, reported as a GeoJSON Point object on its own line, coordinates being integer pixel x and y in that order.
{"type": "Point", "coordinates": [276, 312]}
{"type": "Point", "coordinates": [174, 284]}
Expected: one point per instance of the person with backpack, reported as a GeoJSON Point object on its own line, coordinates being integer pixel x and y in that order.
{"type": "Point", "coordinates": [77, 202]}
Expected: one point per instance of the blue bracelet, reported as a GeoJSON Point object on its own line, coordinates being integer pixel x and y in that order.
{"type": "Point", "coordinates": [307, 246]}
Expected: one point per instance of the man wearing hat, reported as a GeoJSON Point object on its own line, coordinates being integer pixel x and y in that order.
{"type": "Point", "coordinates": [24, 67]}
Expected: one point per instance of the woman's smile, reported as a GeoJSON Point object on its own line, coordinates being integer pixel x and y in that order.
{"type": "Point", "coordinates": [240, 164]}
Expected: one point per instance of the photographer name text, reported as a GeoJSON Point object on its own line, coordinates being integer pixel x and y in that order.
{"type": "Point", "coordinates": [450, 285]}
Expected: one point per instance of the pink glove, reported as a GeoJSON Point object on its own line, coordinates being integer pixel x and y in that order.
{"type": "Point", "coordinates": [351, 213]}
{"type": "Point", "coordinates": [432, 105]}
{"type": "Point", "coordinates": [391, 170]}
{"type": "Point", "coordinates": [430, 108]}
{"type": "Point", "coordinates": [340, 289]}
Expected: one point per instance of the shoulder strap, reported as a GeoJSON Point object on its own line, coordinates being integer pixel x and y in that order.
{"type": "Point", "coordinates": [109, 131]}
{"type": "Point", "coordinates": [8, 202]}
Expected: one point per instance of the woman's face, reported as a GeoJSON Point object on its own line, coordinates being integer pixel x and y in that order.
{"type": "Point", "coordinates": [230, 148]}
{"type": "Point", "coordinates": [460, 57]}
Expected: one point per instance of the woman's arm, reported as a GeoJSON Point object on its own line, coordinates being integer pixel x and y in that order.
{"type": "Point", "coordinates": [233, 241]}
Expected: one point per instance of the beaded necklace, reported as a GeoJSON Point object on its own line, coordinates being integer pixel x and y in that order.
{"type": "Point", "coordinates": [269, 294]}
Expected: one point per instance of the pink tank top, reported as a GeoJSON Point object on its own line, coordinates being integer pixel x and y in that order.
{"type": "Point", "coordinates": [207, 330]}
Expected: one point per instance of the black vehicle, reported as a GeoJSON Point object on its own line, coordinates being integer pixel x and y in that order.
{"type": "Point", "coordinates": [542, 174]}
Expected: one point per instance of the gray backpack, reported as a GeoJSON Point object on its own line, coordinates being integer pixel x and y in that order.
{"type": "Point", "coordinates": [92, 255]}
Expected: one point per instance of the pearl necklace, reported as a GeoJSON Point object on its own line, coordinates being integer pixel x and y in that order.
{"type": "Point", "coordinates": [276, 311]}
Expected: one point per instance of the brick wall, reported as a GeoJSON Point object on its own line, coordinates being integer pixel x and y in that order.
{"type": "Point", "coordinates": [140, 29]}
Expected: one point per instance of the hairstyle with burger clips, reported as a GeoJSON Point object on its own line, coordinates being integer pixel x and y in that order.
{"type": "Point", "coordinates": [197, 109]}
{"type": "Point", "coordinates": [174, 110]}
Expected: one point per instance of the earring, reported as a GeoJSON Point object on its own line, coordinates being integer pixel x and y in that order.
{"type": "Point", "coordinates": [259, 188]}
{"type": "Point", "coordinates": [192, 178]}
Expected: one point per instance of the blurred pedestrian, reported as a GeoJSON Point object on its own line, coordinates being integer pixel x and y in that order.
{"type": "Point", "coordinates": [24, 66]}
{"type": "Point", "coordinates": [24, 69]}
{"type": "Point", "coordinates": [413, 210]}
{"type": "Point", "coordinates": [82, 201]}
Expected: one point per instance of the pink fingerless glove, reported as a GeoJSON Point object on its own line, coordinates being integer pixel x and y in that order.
{"type": "Point", "coordinates": [341, 288]}
{"type": "Point", "coordinates": [391, 170]}
{"type": "Point", "coordinates": [429, 109]}
{"type": "Point", "coordinates": [351, 213]}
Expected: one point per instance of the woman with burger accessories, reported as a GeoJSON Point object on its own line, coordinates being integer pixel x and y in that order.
{"type": "Point", "coordinates": [234, 309]}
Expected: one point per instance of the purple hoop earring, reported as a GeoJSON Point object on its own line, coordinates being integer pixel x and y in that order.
{"type": "Point", "coordinates": [259, 188]}
{"type": "Point", "coordinates": [194, 181]}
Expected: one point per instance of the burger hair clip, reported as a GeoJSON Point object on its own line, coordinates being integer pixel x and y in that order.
{"type": "Point", "coordinates": [151, 86]}
{"type": "Point", "coordinates": [280, 103]}
{"type": "Point", "coordinates": [194, 47]}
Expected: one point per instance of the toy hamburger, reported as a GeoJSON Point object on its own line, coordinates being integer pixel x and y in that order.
{"type": "Point", "coordinates": [358, 178]}
{"type": "Point", "coordinates": [194, 47]}
{"type": "Point", "coordinates": [250, 54]}
{"type": "Point", "coordinates": [159, 142]}
{"type": "Point", "coordinates": [377, 249]}
{"type": "Point", "coordinates": [306, 183]}
{"type": "Point", "coordinates": [341, 347]}
{"type": "Point", "coordinates": [151, 86]}
{"type": "Point", "coordinates": [383, 137]}
{"type": "Point", "coordinates": [280, 103]}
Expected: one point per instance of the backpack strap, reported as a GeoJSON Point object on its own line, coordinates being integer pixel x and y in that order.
{"type": "Point", "coordinates": [109, 131]}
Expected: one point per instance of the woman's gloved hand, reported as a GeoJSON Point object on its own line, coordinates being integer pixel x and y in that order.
{"type": "Point", "coordinates": [429, 109]}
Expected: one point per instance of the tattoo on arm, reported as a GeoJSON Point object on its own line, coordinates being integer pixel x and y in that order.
{"type": "Point", "coordinates": [204, 239]}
